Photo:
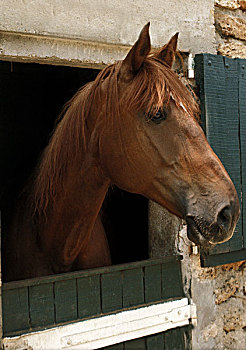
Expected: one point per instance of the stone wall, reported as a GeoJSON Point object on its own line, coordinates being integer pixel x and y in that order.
{"type": "Point", "coordinates": [230, 24]}
{"type": "Point", "coordinates": [219, 294]}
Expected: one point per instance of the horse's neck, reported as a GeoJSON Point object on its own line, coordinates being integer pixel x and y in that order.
{"type": "Point", "coordinates": [71, 220]}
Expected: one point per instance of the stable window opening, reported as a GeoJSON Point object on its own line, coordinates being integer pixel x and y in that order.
{"type": "Point", "coordinates": [32, 97]}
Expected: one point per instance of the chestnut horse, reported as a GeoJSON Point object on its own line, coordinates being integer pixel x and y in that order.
{"type": "Point", "coordinates": [135, 126]}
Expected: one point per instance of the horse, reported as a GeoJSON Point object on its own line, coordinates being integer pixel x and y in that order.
{"type": "Point", "coordinates": [135, 126]}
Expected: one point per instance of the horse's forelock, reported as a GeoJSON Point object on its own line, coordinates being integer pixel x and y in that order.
{"type": "Point", "coordinates": [154, 86]}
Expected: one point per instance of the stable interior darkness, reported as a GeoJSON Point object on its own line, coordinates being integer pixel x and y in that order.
{"type": "Point", "coordinates": [32, 97]}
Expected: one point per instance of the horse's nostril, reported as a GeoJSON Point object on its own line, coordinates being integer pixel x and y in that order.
{"type": "Point", "coordinates": [224, 218]}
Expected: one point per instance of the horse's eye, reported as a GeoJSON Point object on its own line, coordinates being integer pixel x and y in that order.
{"type": "Point", "coordinates": [159, 116]}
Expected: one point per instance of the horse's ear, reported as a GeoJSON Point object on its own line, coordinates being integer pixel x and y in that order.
{"type": "Point", "coordinates": [167, 52]}
{"type": "Point", "coordinates": [136, 56]}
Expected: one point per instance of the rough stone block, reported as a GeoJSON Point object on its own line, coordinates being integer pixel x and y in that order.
{"type": "Point", "coordinates": [231, 26]}
{"type": "Point", "coordinates": [234, 340]}
{"type": "Point", "coordinates": [227, 290]}
{"type": "Point", "coordinates": [234, 319]}
{"type": "Point", "coordinates": [229, 4]}
{"type": "Point", "coordinates": [233, 50]}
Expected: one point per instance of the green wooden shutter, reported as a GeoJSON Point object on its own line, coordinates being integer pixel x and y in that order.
{"type": "Point", "coordinates": [222, 84]}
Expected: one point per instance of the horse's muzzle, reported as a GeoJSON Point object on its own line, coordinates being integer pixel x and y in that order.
{"type": "Point", "coordinates": [203, 233]}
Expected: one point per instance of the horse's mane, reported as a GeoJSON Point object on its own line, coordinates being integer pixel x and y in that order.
{"type": "Point", "coordinates": [153, 86]}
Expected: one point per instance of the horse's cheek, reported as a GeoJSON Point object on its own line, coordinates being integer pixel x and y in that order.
{"type": "Point", "coordinates": [123, 165]}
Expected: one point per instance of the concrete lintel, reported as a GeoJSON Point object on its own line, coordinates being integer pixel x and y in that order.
{"type": "Point", "coordinates": [33, 48]}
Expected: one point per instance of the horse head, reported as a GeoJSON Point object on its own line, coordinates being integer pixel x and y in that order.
{"type": "Point", "coordinates": [153, 144]}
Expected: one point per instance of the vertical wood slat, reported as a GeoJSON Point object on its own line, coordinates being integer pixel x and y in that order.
{"type": "Point", "coordinates": [152, 283]}
{"type": "Point", "coordinates": [15, 310]}
{"type": "Point", "coordinates": [155, 341]}
{"type": "Point", "coordinates": [133, 287]}
{"type": "Point", "coordinates": [66, 300]}
{"type": "Point", "coordinates": [174, 339]}
{"type": "Point", "coordinates": [41, 303]}
{"type": "Point", "coordinates": [89, 299]}
{"type": "Point", "coordinates": [111, 291]}
{"type": "Point", "coordinates": [242, 116]}
{"type": "Point", "coordinates": [231, 157]}
{"type": "Point", "coordinates": [171, 281]}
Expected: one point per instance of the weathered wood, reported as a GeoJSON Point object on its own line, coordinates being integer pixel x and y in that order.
{"type": "Point", "coordinates": [152, 283]}
{"type": "Point", "coordinates": [65, 301]}
{"type": "Point", "coordinates": [242, 116]}
{"type": "Point", "coordinates": [230, 129]}
{"type": "Point", "coordinates": [171, 281]}
{"type": "Point", "coordinates": [89, 299]}
{"type": "Point", "coordinates": [41, 305]}
{"type": "Point", "coordinates": [133, 288]}
{"type": "Point", "coordinates": [136, 344]}
{"type": "Point", "coordinates": [111, 291]}
{"type": "Point", "coordinates": [15, 310]}
{"type": "Point", "coordinates": [221, 259]}
{"type": "Point", "coordinates": [174, 339]}
{"type": "Point", "coordinates": [83, 295]}
{"type": "Point", "coordinates": [222, 93]}
{"type": "Point", "coordinates": [155, 341]}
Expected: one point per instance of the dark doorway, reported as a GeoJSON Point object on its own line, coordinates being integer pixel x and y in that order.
{"type": "Point", "coordinates": [32, 97]}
